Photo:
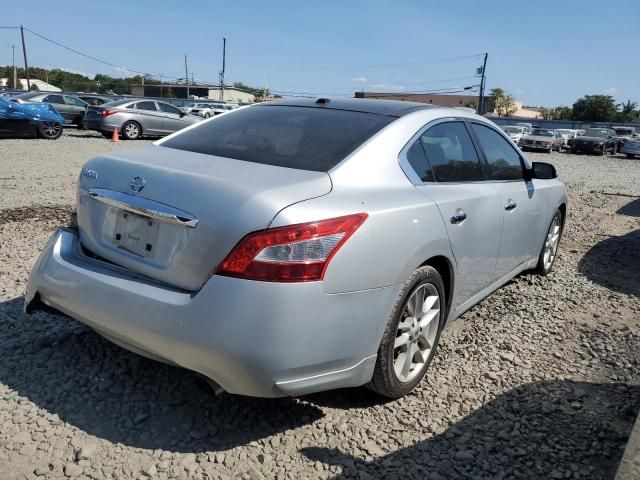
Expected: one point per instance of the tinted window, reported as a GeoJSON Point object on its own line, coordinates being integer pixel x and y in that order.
{"type": "Point", "coordinates": [75, 101]}
{"type": "Point", "coordinates": [165, 107]}
{"type": "Point", "coordinates": [451, 153]}
{"type": "Point", "coordinates": [307, 138]}
{"type": "Point", "coordinates": [418, 161]}
{"type": "Point", "coordinates": [146, 106]}
{"type": "Point", "coordinates": [503, 159]}
{"type": "Point", "coordinates": [53, 99]}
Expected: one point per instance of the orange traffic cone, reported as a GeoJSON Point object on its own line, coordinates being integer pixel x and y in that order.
{"type": "Point", "coordinates": [114, 138]}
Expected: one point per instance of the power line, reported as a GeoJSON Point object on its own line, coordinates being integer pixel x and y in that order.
{"type": "Point", "coordinates": [97, 59]}
{"type": "Point", "coordinates": [344, 67]}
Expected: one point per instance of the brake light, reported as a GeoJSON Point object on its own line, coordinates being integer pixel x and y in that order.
{"type": "Point", "coordinates": [106, 113]}
{"type": "Point", "coordinates": [294, 253]}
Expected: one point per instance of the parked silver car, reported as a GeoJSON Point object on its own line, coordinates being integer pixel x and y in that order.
{"type": "Point", "coordinates": [298, 246]}
{"type": "Point", "coordinates": [137, 118]}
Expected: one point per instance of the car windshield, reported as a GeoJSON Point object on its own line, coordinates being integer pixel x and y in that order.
{"type": "Point", "coordinates": [596, 132]}
{"type": "Point", "coordinates": [624, 131]}
{"type": "Point", "coordinates": [512, 129]}
{"type": "Point", "coordinates": [543, 133]}
{"type": "Point", "coordinates": [306, 138]}
{"type": "Point", "coordinates": [201, 105]}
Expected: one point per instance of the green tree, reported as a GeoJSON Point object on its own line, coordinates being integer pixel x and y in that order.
{"type": "Point", "coordinates": [548, 113]}
{"type": "Point", "coordinates": [627, 112]}
{"type": "Point", "coordinates": [594, 108]}
{"type": "Point", "coordinates": [504, 103]}
{"type": "Point", "coordinates": [563, 113]}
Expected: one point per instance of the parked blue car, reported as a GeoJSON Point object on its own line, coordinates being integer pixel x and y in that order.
{"type": "Point", "coordinates": [29, 120]}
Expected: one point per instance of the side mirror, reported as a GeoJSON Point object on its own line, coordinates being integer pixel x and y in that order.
{"type": "Point", "coordinates": [542, 171]}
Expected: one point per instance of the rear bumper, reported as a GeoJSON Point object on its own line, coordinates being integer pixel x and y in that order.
{"type": "Point", "coordinates": [252, 338]}
{"type": "Point", "coordinates": [101, 124]}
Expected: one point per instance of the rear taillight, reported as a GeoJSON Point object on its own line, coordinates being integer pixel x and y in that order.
{"type": "Point", "coordinates": [106, 113]}
{"type": "Point", "coordinates": [294, 253]}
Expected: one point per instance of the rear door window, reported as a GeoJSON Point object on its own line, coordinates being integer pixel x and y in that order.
{"type": "Point", "coordinates": [307, 138]}
{"type": "Point", "coordinates": [418, 161]}
{"type": "Point", "coordinates": [502, 158]}
{"type": "Point", "coordinates": [53, 99]}
{"type": "Point", "coordinates": [451, 153]}
{"type": "Point", "coordinates": [151, 106]}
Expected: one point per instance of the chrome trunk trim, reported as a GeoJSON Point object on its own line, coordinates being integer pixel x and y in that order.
{"type": "Point", "coordinates": [144, 207]}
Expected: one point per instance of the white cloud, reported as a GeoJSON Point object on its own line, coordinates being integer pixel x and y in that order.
{"type": "Point", "coordinates": [359, 79]}
{"type": "Point", "coordinates": [610, 91]}
{"type": "Point", "coordinates": [389, 87]}
{"type": "Point", "coordinates": [122, 70]}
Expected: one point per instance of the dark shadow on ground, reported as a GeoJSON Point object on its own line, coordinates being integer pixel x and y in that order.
{"type": "Point", "coordinates": [106, 391]}
{"type": "Point", "coordinates": [615, 263]}
{"type": "Point", "coordinates": [549, 429]}
{"type": "Point", "coordinates": [631, 209]}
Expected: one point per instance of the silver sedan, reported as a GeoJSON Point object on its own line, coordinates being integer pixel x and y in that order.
{"type": "Point", "coordinates": [298, 246]}
{"type": "Point", "coordinates": [137, 118]}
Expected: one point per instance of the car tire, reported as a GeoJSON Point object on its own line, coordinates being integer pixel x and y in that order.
{"type": "Point", "coordinates": [131, 130]}
{"type": "Point", "coordinates": [49, 130]}
{"type": "Point", "coordinates": [79, 121]}
{"type": "Point", "coordinates": [549, 250]}
{"type": "Point", "coordinates": [207, 115]}
{"type": "Point", "coordinates": [614, 150]}
{"type": "Point", "coordinates": [421, 336]}
{"type": "Point", "coordinates": [630, 155]}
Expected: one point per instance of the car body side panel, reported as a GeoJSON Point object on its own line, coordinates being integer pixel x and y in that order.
{"type": "Point", "coordinates": [476, 240]}
{"type": "Point", "coordinates": [523, 226]}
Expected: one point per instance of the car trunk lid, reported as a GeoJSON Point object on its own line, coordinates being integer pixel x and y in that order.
{"type": "Point", "coordinates": [173, 215]}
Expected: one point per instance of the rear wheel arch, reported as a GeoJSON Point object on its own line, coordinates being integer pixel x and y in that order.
{"type": "Point", "coordinates": [444, 266]}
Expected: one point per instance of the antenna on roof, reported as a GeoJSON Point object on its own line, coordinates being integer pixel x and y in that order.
{"type": "Point", "coordinates": [322, 101]}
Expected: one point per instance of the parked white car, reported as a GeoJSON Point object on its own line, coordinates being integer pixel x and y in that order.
{"type": "Point", "coordinates": [515, 133]}
{"type": "Point", "coordinates": [205, 110]}
{"type": "Point", "coordinates": [567, 134]}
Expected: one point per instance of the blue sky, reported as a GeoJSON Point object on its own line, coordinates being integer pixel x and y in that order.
{"type": "Point", "coordinates": [545, 53]}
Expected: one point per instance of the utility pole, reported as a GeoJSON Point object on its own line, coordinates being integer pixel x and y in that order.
{"type": "Point", "coordinates": [224, 58]}
{"type": "Point", "coordinates": [481, 99]}
{"type": "Point", "coordinates": [15, 73]}
{"type": "Point", "coordinates": [24, 52]}
{"type": "Point", "coordinates": [186, 75]}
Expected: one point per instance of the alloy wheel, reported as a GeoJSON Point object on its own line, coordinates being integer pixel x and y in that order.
{"type": "Point", "coordinates": [417, 332]}
{"type": "Point", "coordinates": [551, 243]}
{"type": "Point", "coordinates": [132, 130]}
{"type": "Point", "coordinates": [50, 129]}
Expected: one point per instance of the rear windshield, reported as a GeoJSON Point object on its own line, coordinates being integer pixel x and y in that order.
{"type": "Point", "coordinates": [306, 138]}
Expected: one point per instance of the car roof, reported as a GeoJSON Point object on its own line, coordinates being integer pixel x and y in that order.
{"type": "Point", "coordinates": [395, 108]}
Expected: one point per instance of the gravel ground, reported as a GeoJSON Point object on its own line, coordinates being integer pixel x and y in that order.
{"type": "Point", "coordinates": [541, 380]}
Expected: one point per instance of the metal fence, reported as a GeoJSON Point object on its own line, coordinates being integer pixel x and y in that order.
{"type": "Point", "coordinates": [570, 124]}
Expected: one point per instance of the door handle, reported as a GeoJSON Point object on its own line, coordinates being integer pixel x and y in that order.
{"type": "Point", "coordinates": [510, 205]}
{"type": "Point", "coordinates": [459, 217]}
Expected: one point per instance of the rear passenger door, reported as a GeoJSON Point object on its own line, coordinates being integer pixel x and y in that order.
{"type": "Point", "coordinates": [523, 205]}
{"type": "Point", "coordinates": [149, 117]}
{"type": "Point", "coordinates": [57, 101]}
{"type": "Point", "coordinates": [450, 169]}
